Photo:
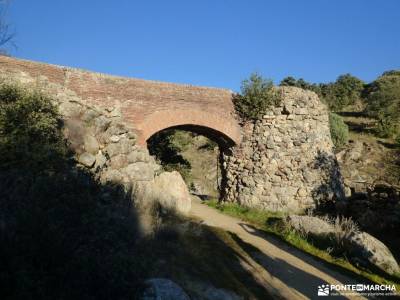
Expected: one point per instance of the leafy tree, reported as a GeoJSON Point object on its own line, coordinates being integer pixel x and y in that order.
{"type": "Point", "coordinates": [257, 96]}
{"type": "Point", "coordinates": [383, 103]}
{"type": "Point", "coordinates": [339, 130]}
{"type": "Point", "coordinates": [391, 72]}
{"type": "Point", "coordinates": [346, 90]}
{"type": "Point", "coordinates": [288, 81]}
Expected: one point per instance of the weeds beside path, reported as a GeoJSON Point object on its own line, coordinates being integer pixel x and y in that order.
{"type": "Point", "coordinates": [292, 273]}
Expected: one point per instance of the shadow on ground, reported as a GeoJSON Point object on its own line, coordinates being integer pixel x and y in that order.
{"type": "Point", "coordinates": [300, 280]}
{"type": "Point", "coordinates": [65, 235]}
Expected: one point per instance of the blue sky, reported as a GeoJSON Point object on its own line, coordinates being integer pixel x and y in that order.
{"type": "Point", "coordinates": [212, 42]}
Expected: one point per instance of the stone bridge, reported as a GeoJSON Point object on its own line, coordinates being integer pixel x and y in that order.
{"type": "Point", "coordinates": [147, 106]}
{"type": "Point", "coordinates": [285, 161]}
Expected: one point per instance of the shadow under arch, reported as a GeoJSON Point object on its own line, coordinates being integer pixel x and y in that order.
{"type": "Point", "coordinates": [224, 142]}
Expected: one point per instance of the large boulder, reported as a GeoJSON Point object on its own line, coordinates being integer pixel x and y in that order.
{"type": "Point", "coordinates": [368, 250]}
{"type": "Point", "coordinates": [310, 225]}
{"type": "Point", "coordinates": [363, 248]}
{"type": "Point", "coordinates": [171, 192]}
{"type": "Point", "coordinates": [163, 289]}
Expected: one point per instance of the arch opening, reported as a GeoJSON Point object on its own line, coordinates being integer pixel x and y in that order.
{"type": "Point", "coordinates": [196, 152]}
{"type": "Point", "coordinates": [223, 141]}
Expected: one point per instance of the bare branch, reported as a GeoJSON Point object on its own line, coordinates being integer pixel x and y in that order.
{"type": "Point", "coordinates": [6, 34]}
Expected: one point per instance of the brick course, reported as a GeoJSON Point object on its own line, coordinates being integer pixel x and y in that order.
{"type": "Point", "coordinates": [147, 106]}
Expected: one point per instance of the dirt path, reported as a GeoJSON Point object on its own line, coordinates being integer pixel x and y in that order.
{"type": "Point", "coordinates": [288, 272]}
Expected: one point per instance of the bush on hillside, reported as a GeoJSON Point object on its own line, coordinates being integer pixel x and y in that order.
{"type": "Point", "coordinates": [30, 133]}
{"type": "Point", "coordinates": [257, 96]}
{"type": "Point", "coordinates": [339, 130]}
{"type": "Point", "coordinates": [345, 91]}
{"type": "Point", "coordinates": [383, 103]}
{"type": "Point", "coordinates": [300, 83]}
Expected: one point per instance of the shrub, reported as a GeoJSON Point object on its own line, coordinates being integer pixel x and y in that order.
{"type": "Point", "coordinates": [300, 83]}
{"type": "Point", "coordinates": [383, 103]}
{"type": "Point", "coordinates": [346, 90]}
{"type": "Point", "coordinates": [257, 96]}
{"type": "Point", "coordinates": [344, 228]}
{"type": "Point", "coordinates": [30, 133]}
{"type": "Point", "coordinates": [339, 130]}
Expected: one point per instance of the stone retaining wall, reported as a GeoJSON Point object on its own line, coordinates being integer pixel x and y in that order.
{"type": "Point", "coordinates": [103, 143]}
{"type": "Point", "coordinates": [286, 160]}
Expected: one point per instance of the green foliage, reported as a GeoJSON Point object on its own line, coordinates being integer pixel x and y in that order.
{"type": "Point", "coordinates": [167, 146]}
{"type": "Point", "coordinates": [383, 103]}
{"type": "Point", "coordinates": [29, 129]}
{"type": "Point", "coordinates": [300, 83]}
{"type": "Point", "coordinates": [339, 130]}
{"type": "Point", "coordinates": [257, 96]}
{"type": "Point", "coordinates": [345, 91]}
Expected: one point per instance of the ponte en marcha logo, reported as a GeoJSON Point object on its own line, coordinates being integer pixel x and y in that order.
{"type": "Point", "coordinates": [357, 289]}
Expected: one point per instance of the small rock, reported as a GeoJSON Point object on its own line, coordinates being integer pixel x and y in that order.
{"type": "Point", "coordinates": [115, 138]}
{"type": "Point", "coordinates": [139, 171]}
{"type": "Point", "coordinates": [91, 145]}
{"type": "Point", "coordinates": [302, 192]}
{"type": "Point", "coordinates": [118, 161]}
{"type": "Point", "coordinates": [89, 115]}
{"type": "Point", "coordinates": [87, 159]}
{"type": "Point", "coordinates": [70, 109]}
{"type": "Point", "coordinates": [122, 147]}
{"type": "Point", "coordinates": [100, 160]}
{"type": "Point", "coordinates": [111, 176]}
{"type": "Point", "coordinates": [136, 156]}
{"type": "Point", "coordinates": [101, 123]}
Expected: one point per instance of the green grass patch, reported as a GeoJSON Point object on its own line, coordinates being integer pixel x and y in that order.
{"type": "Point", "coordinates": [272, 223]}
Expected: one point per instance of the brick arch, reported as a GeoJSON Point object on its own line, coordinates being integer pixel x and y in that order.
{"type": "Point", "coordinates": [225, 132]}
{"type": "Point", "coordinates": [144, 105]}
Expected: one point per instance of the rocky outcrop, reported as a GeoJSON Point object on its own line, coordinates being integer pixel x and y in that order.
{"type": "Point", "coordinates": [103, 144]}
{"type": "Point", "coordinates": [286, 160]}
{"type": "Point", "coordinates": [368, 250]}
{"type": "Point", "coordinates": [360, 247]}
{"type": "Point", "coordinates": [377, 210]}
{"type": "Point", "coordinates": [362, 165]}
